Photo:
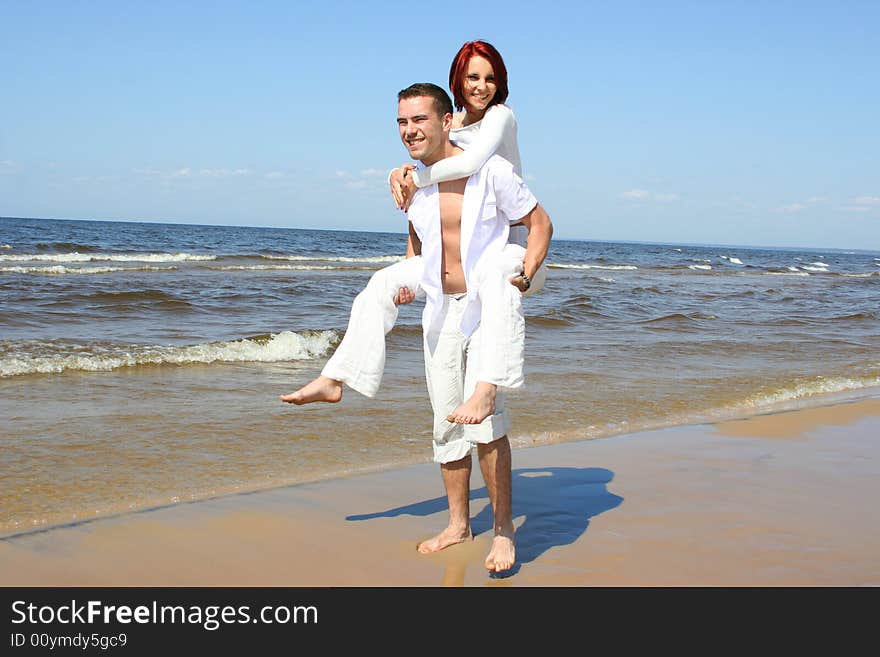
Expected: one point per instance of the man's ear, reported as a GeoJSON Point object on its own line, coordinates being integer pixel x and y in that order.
{"type": "Point", "coordinates": [447, 122]}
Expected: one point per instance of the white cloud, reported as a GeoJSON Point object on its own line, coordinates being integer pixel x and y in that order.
{"type": "Point", "coordinates": [222, 173]}
{"type": "Point", "coordinates": [856, 208]}
{"type": "Point", "coordinates": [371, 179]}
{"type": "Point", "coordinates": [642, 195]}
{"type": "Point", "coordinates": [192, 174]}
{"type": "Point", "coordinates": [8, 166]}
{"type": "Point", "coordinates": [801, 205]}
{"type": "Point", "coordinates": [791, 209]}
{"type": "Point", "coordinates": [867, 200]}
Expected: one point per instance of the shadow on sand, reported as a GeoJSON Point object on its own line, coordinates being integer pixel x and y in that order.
{"type": "Point", "coordinates": [556, 503]}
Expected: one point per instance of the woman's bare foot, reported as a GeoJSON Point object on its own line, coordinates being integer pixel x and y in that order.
{"type": "Point", "coordinates": [476, 409]}
{"type": "Point", "coordinates": [322, 389]}
{"type": "Point", "coordinates": [449, 536]}
{"type": "Point", "coordinates": [502, 556]}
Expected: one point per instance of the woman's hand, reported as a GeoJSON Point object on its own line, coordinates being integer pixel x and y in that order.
{"type": "Point", "coordinates": [402, 186]}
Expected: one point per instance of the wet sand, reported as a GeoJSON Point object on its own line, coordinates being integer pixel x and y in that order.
{"type": "Point", "coordinates": [781, 500]}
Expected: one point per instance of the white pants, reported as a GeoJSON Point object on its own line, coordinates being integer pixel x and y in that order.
{"type": "Point", "coordinates": [452, 363]}
{"type": "Point", "coordinates": [359, 360]}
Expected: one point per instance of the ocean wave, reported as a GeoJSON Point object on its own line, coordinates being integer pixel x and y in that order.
{"type": "Point", "coordinates": [704, 267]}
{"type": "Point", "coordinates": [284, 268]}
{"type": "Point", "coordinates": [787, 273]}
{"type": "Point", "coordinates": [373, 259]}
{"type": "Point", "coordinates": [65, 246]}
{"type": "Point", "coordinates": [797, 396]}
{"type": "Point", "coordinates": [5, 246]}
{"type": "Point", "coordinates": [96, 257]}
{"type": "Point", "coordinates": [804, 391]}
{"type": "Point", "coordinates": [554, 265]}
{"type": "Point", "coordinates": [677, 318]}
{"type": "Point", "coordinates": [56, 270]}
{"type": "Point", "coordinates": [823, 269]}
{"type": "Point", "coordinates": [732, 260]}
{"type": "Point", "coordinates": [281, 347]}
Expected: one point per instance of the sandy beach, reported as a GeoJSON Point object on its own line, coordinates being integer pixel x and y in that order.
{"type": "Point", "coordinates": [787, 499]}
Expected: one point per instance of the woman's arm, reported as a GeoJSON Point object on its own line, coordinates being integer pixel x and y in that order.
{"type": "Point", "coordinates": [497, 120]}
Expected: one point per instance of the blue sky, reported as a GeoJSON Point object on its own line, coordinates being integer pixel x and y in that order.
{"type": "Point", "coordinates": [748, 123]}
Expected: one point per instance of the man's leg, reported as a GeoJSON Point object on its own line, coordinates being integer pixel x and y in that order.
{"type": "Point", "coordinates": [456, 479]}
{"type": "Point", "coordinates": [495, 464]}
{"type": "Point", "coordinates": [444, 372]}
{"type": "Point", "coordinates": [359, 360]}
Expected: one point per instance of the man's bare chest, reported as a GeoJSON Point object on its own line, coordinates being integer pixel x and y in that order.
{"type": "Point", "coordinates": [451, 197]}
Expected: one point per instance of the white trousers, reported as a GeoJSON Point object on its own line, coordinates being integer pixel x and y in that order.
{"type": "Point", "coordinates": [453, 362]}
{"type": "Point", "coordinates": [359, 360]}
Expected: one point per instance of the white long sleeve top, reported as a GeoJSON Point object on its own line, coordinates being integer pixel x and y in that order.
{"type": "Point", "coordinates": [495, 134]}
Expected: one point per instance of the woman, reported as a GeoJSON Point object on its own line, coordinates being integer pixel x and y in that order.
{"type": "Point", "coordinates": [478, 81]}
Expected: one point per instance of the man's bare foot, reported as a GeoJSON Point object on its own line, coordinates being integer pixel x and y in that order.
{"type": "Point", "coordinates": [449, 536]}
{"type": "Point", "coordinates": [322, 389]}
{"type": "Point", "coordinates": [476, 409]}
{"type": "Point", "coordinates": [502, 556]}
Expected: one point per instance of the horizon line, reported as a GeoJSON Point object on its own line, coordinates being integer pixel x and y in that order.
{"type": "Point", "coordinates": [384, 232]}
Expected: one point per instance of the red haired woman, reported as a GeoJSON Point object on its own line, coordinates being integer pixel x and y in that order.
{"type": "Point", "coordinates": [478, 81]}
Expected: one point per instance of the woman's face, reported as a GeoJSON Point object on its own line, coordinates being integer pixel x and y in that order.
{"type": "Point", "coordinates": [479, 84]}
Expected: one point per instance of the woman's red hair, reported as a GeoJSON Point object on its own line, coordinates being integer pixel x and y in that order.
{"type": "Point", "coordinates": [458, 71]}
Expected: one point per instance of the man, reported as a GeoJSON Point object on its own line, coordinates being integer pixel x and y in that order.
{"type": "Point", "coordinates": [458, 227]}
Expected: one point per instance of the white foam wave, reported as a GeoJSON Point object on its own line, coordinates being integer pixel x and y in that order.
{"type": "Point", "coordinates": [808, 390]}
{"type": "Point", "coordinates": [109, 257]}
{"type": "Point", "coordinates": [820, 264]}
{"type": "Point", "coordinates": [554, 265]}
{"type": "Point", "coordinates": [5, 246]}
{"type": "Point", "coordinates": [284, 346]}
{"type": "Point", "coordinates": [273, 267]}
{"type": "Point", "coordinates": [57, 270]}
{"type": "Point", "coordinates": [296, 258]}
{"type": "Point", "coordinates": [786, 273]}
{"type": "Point", "coordinates": [699, 266]}
{"type": "Point", "coordinates": [823, 269]}
{"type": "Point", "coordinates": [733, 260]}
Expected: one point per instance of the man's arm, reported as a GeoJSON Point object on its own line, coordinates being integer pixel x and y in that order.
{"type": "Point", "coordinates": [540, 231]}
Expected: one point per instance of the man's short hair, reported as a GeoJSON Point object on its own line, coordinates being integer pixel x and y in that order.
{"type": "Point", "coordinates": [442, 102]}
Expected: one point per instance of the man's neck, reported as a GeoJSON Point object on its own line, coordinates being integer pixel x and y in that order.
{"type": "Point", "coordinates": [446, 150]}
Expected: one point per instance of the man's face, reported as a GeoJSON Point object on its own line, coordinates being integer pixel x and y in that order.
{"type": "Point", "coordinates": [422, 129]}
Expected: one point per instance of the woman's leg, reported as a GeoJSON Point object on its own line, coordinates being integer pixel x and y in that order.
{"type": "Point", "coordinates": [359, 360]}
{"type": "Point", "coordinates": [500, 340]}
